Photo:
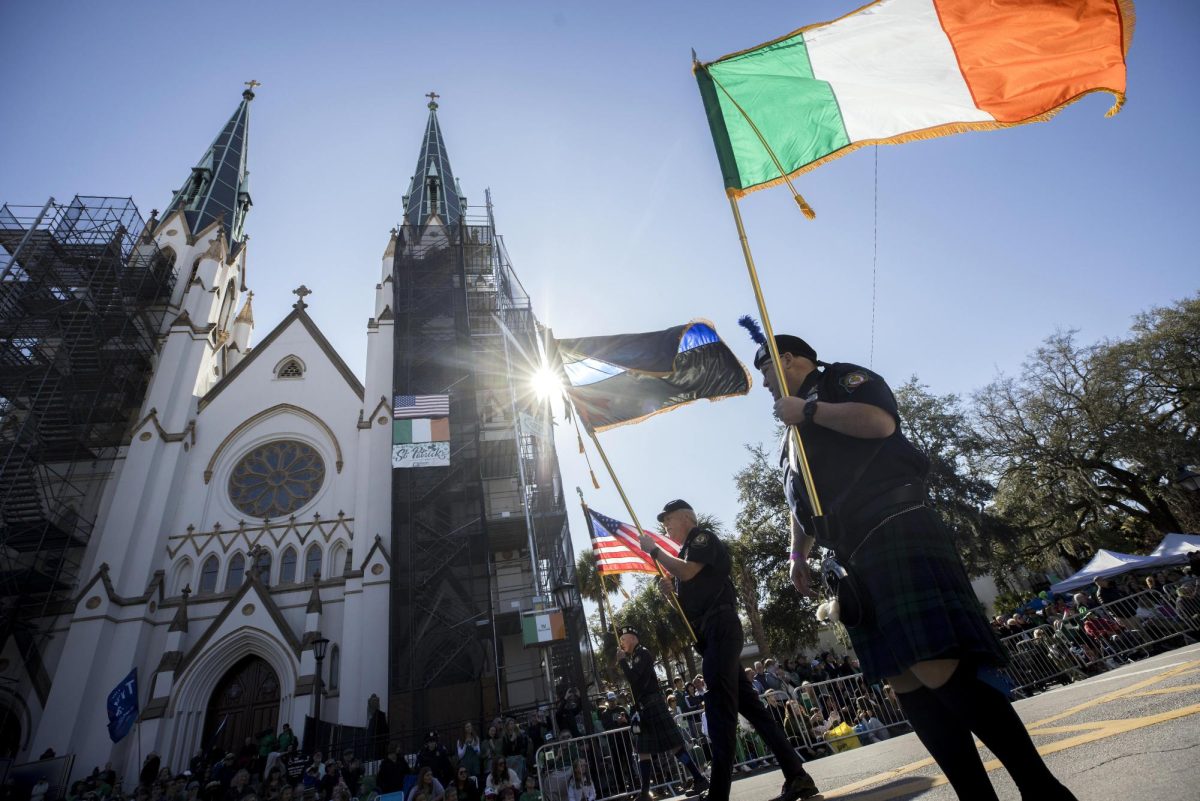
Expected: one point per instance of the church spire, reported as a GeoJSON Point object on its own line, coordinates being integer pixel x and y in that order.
{"type": "Point", "coordinates": [433, 190]}
{"type": "Point", "coordinates": [218, 188]}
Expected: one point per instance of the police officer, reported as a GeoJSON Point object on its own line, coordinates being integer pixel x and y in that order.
{"type": "Point", "coordinates": [915, 621]}
{"type": "Point", "coordinates": [701, 580]}
{"type": "Point", "coordinates": [652, 724]}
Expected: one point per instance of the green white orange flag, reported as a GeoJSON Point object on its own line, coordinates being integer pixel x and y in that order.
{"type": "Point", "coordinates": [899, 70]}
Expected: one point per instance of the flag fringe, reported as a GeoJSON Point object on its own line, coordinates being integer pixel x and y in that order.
{"type": "Point", "coordinates": [1128, 21]}
{"type": "Point", "coordinates": [936, 132]}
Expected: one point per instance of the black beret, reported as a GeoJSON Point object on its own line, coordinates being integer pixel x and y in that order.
{"type": "Point", "coordinates": [786, 343]}
{"type": "Point", "coordinates": [630, 630]}
{"type": "Point", "coordinates": [673, 506]}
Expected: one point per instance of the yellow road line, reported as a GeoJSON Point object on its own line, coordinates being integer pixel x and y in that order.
{"type": "Point", "coordinates": [1182, 688]}
{"type": "Point", "coordinates": [1114, 695]}
{"type": "Point", "coordinates": [1097, 730]}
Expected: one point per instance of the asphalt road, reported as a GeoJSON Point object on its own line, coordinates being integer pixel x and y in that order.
{"type": "Point", "coordinates": [1131, 733]}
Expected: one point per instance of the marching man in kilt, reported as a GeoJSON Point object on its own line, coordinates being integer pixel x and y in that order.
{"type": "Point", "coordinates": [653, 727]}
{"type": "Point", "coordinates": [902, 591]}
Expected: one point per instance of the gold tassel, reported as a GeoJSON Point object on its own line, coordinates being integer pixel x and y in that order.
{"type": "Point", "coordinates": [579, 437]}
{"type": "Point", "coordinates": [1118, 105]}
{"type": "Point", "coordinates": [623, 592]}
{"type": "Point", "coordinates": [805, 209]}
{"type": "Point", "coordinates": [595, 483]}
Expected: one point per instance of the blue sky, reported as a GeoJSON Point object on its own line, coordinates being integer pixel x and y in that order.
{"type": "Point", "coordinates": [585, 122]}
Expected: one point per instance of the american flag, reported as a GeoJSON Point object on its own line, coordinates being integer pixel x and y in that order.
{"type": "Point", "coordinates": [405, 407]}
{"type": "Point", "coordinates": [616, 547]}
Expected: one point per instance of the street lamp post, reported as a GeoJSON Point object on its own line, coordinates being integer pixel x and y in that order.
{"type": "Point", "coordinates": [562, 597]}
{"type": "Point", "coordinates": [319, 646]}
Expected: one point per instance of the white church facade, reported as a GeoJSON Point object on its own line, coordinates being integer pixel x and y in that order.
{"type": "Point", "coordinates": [246, 519]}
{"type": "Point", "coordinates": [241, 523]}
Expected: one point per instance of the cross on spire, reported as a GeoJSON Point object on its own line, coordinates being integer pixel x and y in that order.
{"type": "Point", "coordinates": [250, 84]}
{"type": "Point", "coordinates": [302, 291]}
{"type": "Point", "coordinates": [433, 96]}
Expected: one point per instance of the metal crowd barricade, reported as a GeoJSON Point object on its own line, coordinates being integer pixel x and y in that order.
{"type": "Point", "coordinates": [870, 710]}
{"type": "Point", "coordinates": [610, 764]}
{"type": "Point", "coordinates": [1104, 637]}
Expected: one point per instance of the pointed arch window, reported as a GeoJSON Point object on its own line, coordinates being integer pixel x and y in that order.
{"type": "Point", "coordinates": [312, 562]}
{"type": "Point", "coordinates": [287, 566]}
{"type": "Point", "coordinates": [335, 668]}
{"type": "Point", "coordinates": [208, 576]}
{"type": "Point", "coordinates": [182, 577]}
{"type": "Point", "coordinates": [291, 367]}
{"type": "Point", "coordinates": [337, 560]}
{"type": "Point", "coordinates": [237, 571]}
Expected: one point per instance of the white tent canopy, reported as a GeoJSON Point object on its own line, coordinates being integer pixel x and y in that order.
{"type": "Point", "coordinates": [1104, 564]}
{"type": "Point", "coordinates": [1174, 548]}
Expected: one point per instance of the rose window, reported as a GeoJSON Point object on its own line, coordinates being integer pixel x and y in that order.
{"type": "Point", "coordinates": [276, 479]}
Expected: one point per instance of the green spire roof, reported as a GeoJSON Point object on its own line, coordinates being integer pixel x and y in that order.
{"type": "Point", "coordinates": [434, 189]}
{"type": "Point", "coordinates": [219, 185]}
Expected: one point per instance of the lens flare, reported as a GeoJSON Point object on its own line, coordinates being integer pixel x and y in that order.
{"type": "Point", "coordinates": [546, 383]}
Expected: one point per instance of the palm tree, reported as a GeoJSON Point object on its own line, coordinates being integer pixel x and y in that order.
{"type": "Point", "coordinates": [593, 586]}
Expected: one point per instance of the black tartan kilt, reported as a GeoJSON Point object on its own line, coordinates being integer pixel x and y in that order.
{"type": "Point", "coordinates": [923, 603]}
{"type": "Point", "coordinates": [659, 732]}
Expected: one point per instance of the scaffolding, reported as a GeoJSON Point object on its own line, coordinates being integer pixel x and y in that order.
{"type": "Point", "coordinates": [83, 294]}
{"type": "Point", "coordinates": [464, 327]}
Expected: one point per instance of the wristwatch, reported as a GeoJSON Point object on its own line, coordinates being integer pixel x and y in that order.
{"type": "Point", "coordinates": [810, 409]}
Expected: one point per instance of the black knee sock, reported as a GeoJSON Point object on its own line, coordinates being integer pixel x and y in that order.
{"type": "Point", "coordinates": [646, 768]}
{"type": "Point", "coordinates": [990, 714]}
{"type": "Point", "coordinates": [949, 743]}
{"type": "Point", "coordinates": [684, 757]}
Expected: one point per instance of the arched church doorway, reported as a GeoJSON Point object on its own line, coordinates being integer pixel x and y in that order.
{"type": "Point", "coordinates": [10, 733]}
{"type": "Point", "coordinates": [244, 704]}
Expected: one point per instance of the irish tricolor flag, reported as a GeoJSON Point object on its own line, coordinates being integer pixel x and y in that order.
{"type": "Point", "coordinates": [898, 70]}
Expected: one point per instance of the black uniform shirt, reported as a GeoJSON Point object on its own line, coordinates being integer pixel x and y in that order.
{"type": "Point", "coordinates": [835, 458]}
{"type": "Point", "coordinates": [639, 672]}
{"type": "Point", "coordinates": [711, 587]}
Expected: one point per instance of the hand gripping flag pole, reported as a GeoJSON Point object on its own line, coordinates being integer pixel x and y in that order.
{"type": "Point", "coordinates": [636, 524]}
{"type": "Point", "coordinates": [587, 518]}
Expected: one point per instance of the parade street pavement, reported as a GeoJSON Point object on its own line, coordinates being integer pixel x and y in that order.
{"type": "Point", "coordinates": [1130, 733]}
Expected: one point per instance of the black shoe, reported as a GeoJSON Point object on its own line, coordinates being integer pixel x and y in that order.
{"type": "Point", "coordinates": [697, 787]}
{"type": "Point", "coordinates": [798, 787]}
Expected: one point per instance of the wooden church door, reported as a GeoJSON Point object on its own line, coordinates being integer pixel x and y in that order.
{"type": "Point", "coordinates": [244, 704]}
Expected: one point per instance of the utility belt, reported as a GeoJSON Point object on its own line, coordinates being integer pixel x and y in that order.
{"type": "Point", "coordinates": [862, 520]}
{"type": "Point", "coordinates": [647, 699]}
{"type": "Point", "coordinates": [846, 531]}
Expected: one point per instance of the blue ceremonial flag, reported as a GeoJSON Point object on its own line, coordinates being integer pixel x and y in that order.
{"type": "Point", "coordinates": [625, 378]}
{"type": "Point", "coordinates": [123, 707]}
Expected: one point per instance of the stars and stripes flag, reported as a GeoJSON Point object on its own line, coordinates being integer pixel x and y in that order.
{"type": "Point", "coordinates": [406, 407]}
{"type": "Point", "coordinates": [616, 547]}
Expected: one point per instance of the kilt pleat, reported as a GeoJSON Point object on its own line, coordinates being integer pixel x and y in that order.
{"type": "Point", "coordinates": [924, 605]}
{"type": "Point", "coordinates": [659, 732]}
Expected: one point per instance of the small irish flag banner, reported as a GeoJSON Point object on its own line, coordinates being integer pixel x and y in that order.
{"type": "Point", "coordinates": [538, 628]}
{"type": "Point", "coordinates": [420, 431]}
{"type": "Point", "coordinates": [900, 70]}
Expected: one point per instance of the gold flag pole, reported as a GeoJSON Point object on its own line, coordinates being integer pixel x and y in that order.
{"type": "Point", "coordinates": [603, 593]}
{"type": "Point", "coordinates": [629, 508]}
{"type": "Point", "coordinates": [805, 471]}
{"type": "Point", "coordinates": [797, 444]}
